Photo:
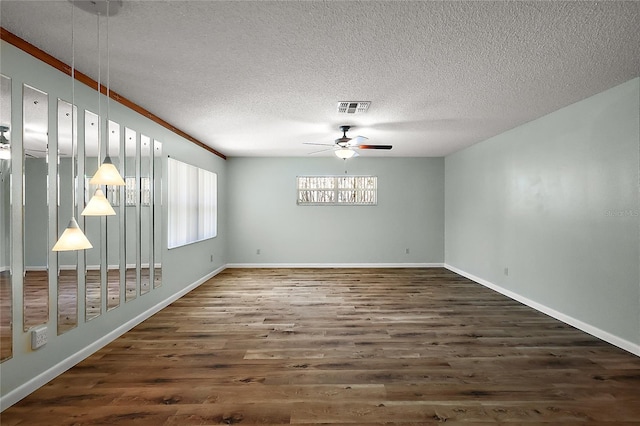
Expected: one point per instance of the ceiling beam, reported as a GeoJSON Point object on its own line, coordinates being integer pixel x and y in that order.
{"type": "Point", "coordinates": [40, 54]}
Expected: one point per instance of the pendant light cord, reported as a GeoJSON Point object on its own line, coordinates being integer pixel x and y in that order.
{"type": "Point", "coordinates": [108, 84]}
{"type": "Point", "coordinates": [73, 104]}
{"type": "Point", "coordinates": [99, 89]}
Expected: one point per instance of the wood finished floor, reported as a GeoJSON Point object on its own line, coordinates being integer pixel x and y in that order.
{"type": "Point", "coordinates": [344, 346]}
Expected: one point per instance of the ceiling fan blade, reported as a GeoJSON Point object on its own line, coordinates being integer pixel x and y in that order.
{"type": "Point", "coordinates": [319, 144]}
{"type": "Point", "coordinates": [358, 140]}
{"type": "Point", "coordinates": [374, 146]}
{"type": "Point", "coordinates": [318, 152]}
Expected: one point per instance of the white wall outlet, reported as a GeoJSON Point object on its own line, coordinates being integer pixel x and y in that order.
{"type": "Point", "coordinates": [506, 271]}
{"type": "Point", "coordinates": [406, 251]}
{"type": "Point", "coordinates": [211, 257]}
{"type": "Point", "coordinates": [257, 251]}
{"type": "Point", "coordinates": [38, 337]}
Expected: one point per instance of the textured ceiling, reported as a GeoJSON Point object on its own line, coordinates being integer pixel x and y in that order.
{"type": "Point", "coordinates": [261, 78]}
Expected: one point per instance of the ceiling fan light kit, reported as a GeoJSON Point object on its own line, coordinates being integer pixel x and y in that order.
{"type": "Point", "coordinates": [345, 147]}
{"type": "Point", "coordinates": [344, 153]}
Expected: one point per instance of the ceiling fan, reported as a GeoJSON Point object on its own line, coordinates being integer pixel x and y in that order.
{"type": "Point", "coordinates": [344, 147]}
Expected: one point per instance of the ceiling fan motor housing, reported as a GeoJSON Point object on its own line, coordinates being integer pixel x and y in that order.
{"type": "Point", "coordinates": [344, 140]}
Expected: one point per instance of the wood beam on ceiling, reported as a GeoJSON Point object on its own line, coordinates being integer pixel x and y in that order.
{"type": "Point", "coordinates": [40, 54]}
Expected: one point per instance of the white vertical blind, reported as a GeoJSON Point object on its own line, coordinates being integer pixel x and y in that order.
{"type": "Point", "coordinates": [193, 198]}
{"type": "Point", "coordinates": [207, 202]}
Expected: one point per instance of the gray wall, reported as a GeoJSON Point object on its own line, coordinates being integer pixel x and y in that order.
{"type": "Point", "coordinates": [181, 266]}
{"type": "Point", "coordinates": [556, 202]}
{"type": "Point", "coordinates": [263, 213]}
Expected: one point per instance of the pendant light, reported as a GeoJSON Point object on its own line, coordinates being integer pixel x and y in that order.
{"type": "Point", "coordinates": [72, 238]}
{"type": "Point", "coordinates": [107, 174]}
{"type": "Point", "coordinates": [98, 205]}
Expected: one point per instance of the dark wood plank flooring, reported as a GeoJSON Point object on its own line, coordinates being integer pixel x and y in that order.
{"type": "Point", "coordinates": [344, 346]}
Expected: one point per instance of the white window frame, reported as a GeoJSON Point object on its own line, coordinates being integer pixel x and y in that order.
{"type": "Point", "coordinates": [342, 190]}
{"type": "Point", "coordinates": [192, 204]}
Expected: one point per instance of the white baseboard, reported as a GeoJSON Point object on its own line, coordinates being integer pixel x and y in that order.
{"type": "Point", "coordinates": [580, 325]}
{"type": "Point", "coordinates": [25, 389]}
{"type": "Point", "coordinates": [335, 265]}
{"type": "Point", "coordinates": [35, 268]}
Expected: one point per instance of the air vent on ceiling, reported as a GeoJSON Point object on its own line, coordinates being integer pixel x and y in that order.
{"type": "Point", "coordinates": [353, 107]}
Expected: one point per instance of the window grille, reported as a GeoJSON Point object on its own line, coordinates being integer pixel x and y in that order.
{"type": "Point", "coordinates": [337, 190]}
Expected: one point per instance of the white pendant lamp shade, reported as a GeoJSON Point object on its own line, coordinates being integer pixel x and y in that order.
{"type": "Point", "coordinates": [98, 205]}
{"type": "Point", "coordinates": [5, 152]}
{"type": "Point", "coordinates": [107, 174]}
{"type": "Point", "coordinates": [344, 153]}
{"type": "Point", "coordinates": [72, 238]}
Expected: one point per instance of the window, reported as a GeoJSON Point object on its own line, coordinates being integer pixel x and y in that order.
{"type": "Point", "coordinates": [337, 190]}
{"type": "Point", "coordinates": [192, 204]}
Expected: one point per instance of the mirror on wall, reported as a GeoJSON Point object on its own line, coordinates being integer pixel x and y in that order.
{"type": "Point", "coordinates": [126, 260]}
{"type": "Point", "coordinates": [6, 291]}
{"type": "Point", "coordinates": [35, 207]}
{"type": "Point", "coordinates": [113, 223]}
{"type": "Point", "coordinates": [67, 260]}
{"type": "Point", "coordinates": [145, 218]}
{"type": "Point", "coordinates": [132, 207]}
{"type": "Point", "coordinates": [157, 214]}
{"type": "Point", "coordinates": [92, 224]}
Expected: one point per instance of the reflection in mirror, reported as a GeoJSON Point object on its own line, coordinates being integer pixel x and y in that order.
{"type": "Point", "coordinates": [145, 222]}
{"type": "Point", "coordinates": [93, 301]}
{"type": "Point", "coordinates": [35, 207]}
{"type": "Point", "coordinates": [113, 223]}
{"type": "Point", "coordinates": [6, 293]}
{"type": "Point", "coordinates": [67, 260]}
{"type": "Point", "coordinates": [131, 201]}
{"type": "Point", "coordinates": [157, 214]}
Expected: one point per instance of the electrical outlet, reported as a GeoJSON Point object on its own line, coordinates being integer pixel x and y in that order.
{"type": "Point", "coordinates": [38, 337]}
{"type": "Point", "coordinates": [257, 251]}
{"type": "Point", "coordinates": [212, 257]}
{"type": "Point", "coordinates": [406, 251]}
{"type": "Point", "coordinates": [506, 271]}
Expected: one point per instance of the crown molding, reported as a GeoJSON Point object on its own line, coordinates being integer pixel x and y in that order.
{"type": "Point", "coordinates": [40, 54]}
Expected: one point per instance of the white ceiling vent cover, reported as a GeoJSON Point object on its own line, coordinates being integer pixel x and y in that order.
{"type": "Point", "coordinates": [353, 107]}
